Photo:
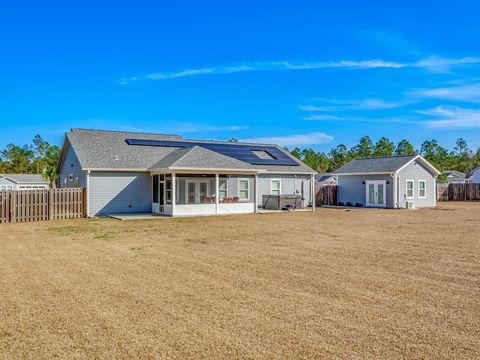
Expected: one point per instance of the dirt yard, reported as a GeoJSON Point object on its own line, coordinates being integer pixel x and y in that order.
{"type": "Point", "coordinates": [337, 283]}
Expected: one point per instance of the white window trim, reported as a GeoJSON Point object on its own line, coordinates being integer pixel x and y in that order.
{"type": "Point", "coordinates": [413, 189]}
{"type": "Point", "coordinates": [424, 189]}
{"type": "Point", "coordinates": [6, 187]}
{"type": "Point", "coordinates": [248, 189]}
{"type": "Point", "coordinates": [280, 187]}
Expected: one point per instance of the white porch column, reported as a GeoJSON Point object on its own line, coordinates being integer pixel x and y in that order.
{"type": "Point", "coordinates": [255, 199]}
{"type": "Point", "coordinates": [216, 192]}
{"type": "Point", "coordinates": [312, 191]}
{"type": "Point", "coordinates": [174, 192]}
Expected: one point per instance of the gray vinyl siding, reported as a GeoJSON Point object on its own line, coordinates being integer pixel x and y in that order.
{"type": "Point", "coordinates": [416, 171]}
{"type": "Point", "coordinates": [71, 165]}
{"type": "Point", "coordinates": [119, 192]}
{"type": "Point", "coordinates": [290, 184]}
{"type": "Point", "coordinates": [351, 188]}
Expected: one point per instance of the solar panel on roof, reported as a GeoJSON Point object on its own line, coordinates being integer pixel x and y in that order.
{"type": "Point", "coordinates": [237, 151]}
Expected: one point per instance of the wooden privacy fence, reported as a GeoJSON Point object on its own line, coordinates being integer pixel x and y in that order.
{"type": "Point", "coordinates": [458, 192]}
{"type": "Point", "coordinates": [326, 195]}
{"type": "Point", "coordinates": [36, 205]}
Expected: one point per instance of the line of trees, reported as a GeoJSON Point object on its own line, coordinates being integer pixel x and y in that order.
{"type": "Point", "coordinates": [462, 158]}
{"type": "Point", "coordinates": [39, 157]}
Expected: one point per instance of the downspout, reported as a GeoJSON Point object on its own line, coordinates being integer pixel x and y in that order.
{"type": "Point", "coordinates": [395, 197]}
{"type": "Point", "coordinates": [255, 201]}
{"type": "Point", "coordinates": [312, 191]}
{"type": "Point", "coordinates": [87, 200]}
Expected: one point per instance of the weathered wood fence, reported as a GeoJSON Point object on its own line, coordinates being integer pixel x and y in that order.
{"type": "Point", "coordinates": [458, 192]}
{"type": "Point", "coordinates": [37, 205]}
{"type": "Point", "coordinates": [326, 195]}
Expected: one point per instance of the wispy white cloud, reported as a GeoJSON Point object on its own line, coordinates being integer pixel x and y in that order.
{"type": "Point", "coordinates": [452, 117]}
{"type": "Point", "coordinates": [318, 108]}
{"type": "Point", "coordinates": [184, 127]}
{"type": "Point", "coordinates": [349, 105]}
{"type": "Point", "coordinates": [322, 117]}
{"type": "Point", "coordinates": [437, 64]}
{"type": "Point", "coordinates": [361, 104]}
{"type": "Point", "coordinates": [464, 92]}
{"type": "Point", "coordinates": [312, 138]}
{"type": "Point", "coordinates": [444, 65]}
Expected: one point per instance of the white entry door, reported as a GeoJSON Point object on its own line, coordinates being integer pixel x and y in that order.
{"type": "Point", "coordinates": [196, 192]}
{"type": "Point", "coordinates": [376, 193]}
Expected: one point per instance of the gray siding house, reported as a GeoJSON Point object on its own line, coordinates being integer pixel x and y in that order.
{"type": "Point", "coordinates": [127, 172]}
{"type": "Point", "coordinates": [389, 182]}
{"type": "Point", "coordinates": [22, 182]}
{"type": "Point", "coordinates": [474, 176]}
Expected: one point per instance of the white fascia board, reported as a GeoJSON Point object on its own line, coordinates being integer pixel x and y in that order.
{"type": "Point", "coordinates": [287, 172]}
{"type": "Point", "coordinates": [209, 171]}
{"type": "Point", "coordinates": [113, 169]}
{"type": "Point", "coordinates": [367, 173]}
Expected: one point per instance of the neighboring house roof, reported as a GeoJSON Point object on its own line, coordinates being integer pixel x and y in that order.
{"type": "Point", "coordinates": [109, 150]}
{"type": "Point", "coordinates": [25, 178]}
{"type": "Point", "coordinates": [470, 174]}
{"type": "Point", "coordinates": [455, 174]}
{"type": "Point", "coordinates": [322, 177]}
{"type": "Point", "coordinates": [381, 165]}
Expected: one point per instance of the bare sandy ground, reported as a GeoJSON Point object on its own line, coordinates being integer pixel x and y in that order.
{"type": "Point", "coordinates": [345, 284]}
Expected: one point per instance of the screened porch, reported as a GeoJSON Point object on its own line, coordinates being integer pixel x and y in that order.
{"type": "Point", "coordinates": [203, 194]}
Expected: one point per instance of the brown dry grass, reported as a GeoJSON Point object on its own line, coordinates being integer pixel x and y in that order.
{"type": "Point", "coordinates": [348, 284]}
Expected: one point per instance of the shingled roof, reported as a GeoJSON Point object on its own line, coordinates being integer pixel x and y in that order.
{"type": "Point", "coordinates": [25, 178]}
{"type": "Point", "coordinates": [198, 157]}
{"type": "Point", "coordinates": [381, 165]}
{"type": "Point", "coordinates": [108, 150]}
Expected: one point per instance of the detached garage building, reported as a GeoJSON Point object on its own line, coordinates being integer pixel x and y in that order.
{"type": "Point", "coordinates": [388, 182]}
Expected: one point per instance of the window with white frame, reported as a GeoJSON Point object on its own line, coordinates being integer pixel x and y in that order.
{"type": "Point", "coordinates": [275, 187]}
{"type": "Point", "coordinates": [422, 189]}
{"type": "Point", "coordinates": [410, 189]}
{"type": "Point", "coordinates": [222, 188]}
{"type": "Point", "coordinates": [244, 189]}
{"type": "Point", "coordinates": [6, 187]}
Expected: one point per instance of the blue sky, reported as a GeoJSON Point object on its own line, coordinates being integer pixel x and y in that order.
{"type": "Point", "coordinates": [307, 73]}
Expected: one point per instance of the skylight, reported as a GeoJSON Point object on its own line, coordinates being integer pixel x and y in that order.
{"type": "Point", "coordinates": [262, 154]}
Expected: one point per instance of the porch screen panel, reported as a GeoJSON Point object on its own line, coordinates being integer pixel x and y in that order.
{"type": "Point", "coordinates": [191, 193]}
{"type": "Point", "coordinates": [203, 192]}
{"type": "Point", "coordinates": [222, 189]}
{"type": "Point", "coordinates": [155, 188]}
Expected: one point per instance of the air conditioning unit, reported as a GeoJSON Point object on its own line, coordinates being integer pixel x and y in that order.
{"type": "Point", "coordinates": [410, 205]}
